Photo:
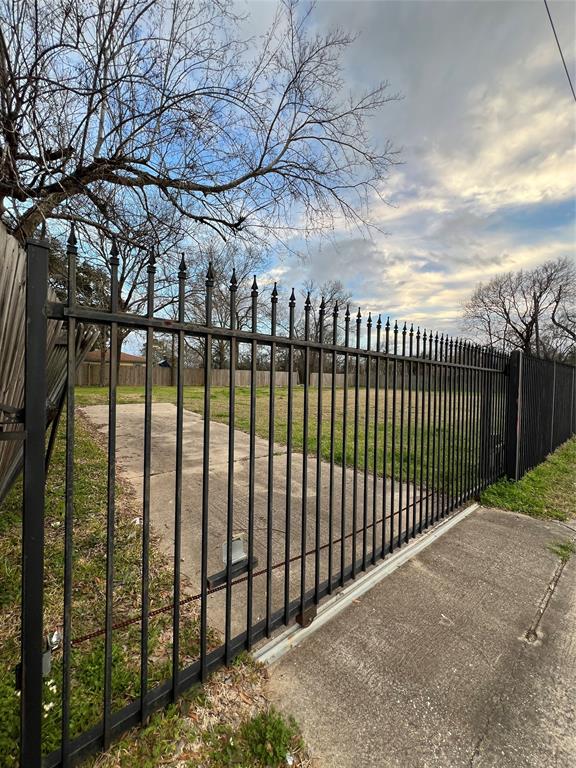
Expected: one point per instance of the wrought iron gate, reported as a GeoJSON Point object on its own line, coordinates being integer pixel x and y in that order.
{"type": "Point", "coordinates": [390, 430]}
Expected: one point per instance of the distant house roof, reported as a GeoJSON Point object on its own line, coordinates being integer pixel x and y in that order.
{"type": "Point", "coordinates": [125, 357]}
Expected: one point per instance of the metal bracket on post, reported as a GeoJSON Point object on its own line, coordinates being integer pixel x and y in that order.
{"type": "Point", "coordinates": [32, 642]}
{"type": "Point", "coordinates": [514, 417]}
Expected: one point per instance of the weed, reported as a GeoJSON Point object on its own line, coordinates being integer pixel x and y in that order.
{"type": "Point", "coordinates": [264, 741]}
{"type": "Point", "coordinates": [563, 549]}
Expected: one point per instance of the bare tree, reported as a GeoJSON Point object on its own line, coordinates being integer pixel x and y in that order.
{"type": "Point", "coordinates": [333, 293]}
{"type": "Point", "coordinates": [564, 304]}
{"type": "Point", "coordinates": [528, 310]}
{"type": "Point", "coordinates": [230, 260]}
{"type": "Point", "coordinates": [165, 97]}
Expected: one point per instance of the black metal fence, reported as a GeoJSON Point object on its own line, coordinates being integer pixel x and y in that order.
{"type": "Point", "coordinates": [543, 410]}
{"type": "Point", "coordinates": [312, 484]}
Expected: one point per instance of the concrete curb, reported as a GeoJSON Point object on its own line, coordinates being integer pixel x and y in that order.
{"type": "Point", "coordinates": [294, 635]}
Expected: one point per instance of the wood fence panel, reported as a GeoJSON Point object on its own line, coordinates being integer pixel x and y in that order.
{"type": "Point", "coordinates": [135, 376]}
{"type": "Point", "coordinates": [12, 342]}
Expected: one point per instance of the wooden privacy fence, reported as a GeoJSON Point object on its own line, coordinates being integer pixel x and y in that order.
{"type": "Point", "coordinates": [88, 375]}
{"type": "Point", "coordinates": [13, 280]}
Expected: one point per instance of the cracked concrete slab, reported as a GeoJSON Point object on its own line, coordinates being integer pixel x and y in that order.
{"type": "Point", "coordinates": [432, 667]}
{"type": "Point", "coordinates": [129, 456]}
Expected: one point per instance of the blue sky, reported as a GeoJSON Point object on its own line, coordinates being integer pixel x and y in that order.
{"type": "Point", "coordinates": [486, 124]}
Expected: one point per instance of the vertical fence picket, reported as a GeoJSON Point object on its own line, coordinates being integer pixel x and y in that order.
{"type": "Point", "coordinates": [145, 604]}
{"type": "Point", "coordinates": [72, 254]}
{"type": "Point", "coordinates": [367, 361]}
{"type": "Point", "coordinates": [355, 444]}
{"type": "Point", "coordinates": [111, 500]}
{"type": "Point", "coordinates": [332, 454]}
{"type": "Point", "coordinates": [182, 274]}
{"type": "Point", "coordinates": [231, 447]}
{"type": "Point", "coordinates": [305, 425]}
{"type": "Point", "coordinates": [290, 416]}
{"type": "Point", "coordinates": [393, 447]}
{"type": "Point", "coordinates": [409, 430]}
{"type": "Point", "coordinates": [209, 283]}
{"type": "Point", "coordinates": [318, 529]}
{"type": "Point", "coordinates": [271, 436]}
{"type": "Point", "coordinates": [385, 442]}
{"type": "Point", "coordinates": [252, 464]}
{"type": "Point", "coordinates": [444, 378]}
{"type": "Point", "coordinates": [343, 499]}
{"type": "Point", "coordinates": [376, 439]}
{"type": "Point", "coordinates": [423, 431]}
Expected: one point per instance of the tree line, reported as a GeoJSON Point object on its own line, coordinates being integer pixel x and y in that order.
{"type": "Point", "coordinates": [531, 309]}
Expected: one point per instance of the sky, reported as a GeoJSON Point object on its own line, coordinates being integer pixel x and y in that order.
{"type": "Point", "coordinates": [487, 131]}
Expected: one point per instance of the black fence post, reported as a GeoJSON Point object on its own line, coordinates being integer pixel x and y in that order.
{"type": "Point", "coordinates": [514, 416]}
{"type": "Point", "coordinates": [486, 411]}
{"type": "Point", "coordinates": [32, 640]}
{"type": "Point", "coordinates": [553, 415]}
{"type": "Point", "coordinates": [573, 403]}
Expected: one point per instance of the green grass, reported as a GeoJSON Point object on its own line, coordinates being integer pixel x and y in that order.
{"type": "Point", "coordinates": [159, 742]}
{"type": "Point", "coordinates": [88, 613]}
{"type": "Point", "coordinates": [563, 549]}
{"type": "Point", "coordinates": [461, 454]}
{"type": "Point", "coordinates": [261, 742]}
{"type": "Point", "coordinates": [547, 491]}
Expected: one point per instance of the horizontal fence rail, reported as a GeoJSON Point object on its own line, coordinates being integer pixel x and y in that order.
{"type": "Point", "coordinates": [254, 500]}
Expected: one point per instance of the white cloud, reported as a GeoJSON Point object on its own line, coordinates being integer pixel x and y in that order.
{"type": "Point", "coordinates": [488, 129]}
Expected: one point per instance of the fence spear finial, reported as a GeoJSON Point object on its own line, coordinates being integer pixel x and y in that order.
{"type": "Point", "coordinates": [114, 260]}
{"type": "Point", "coordinates": [182, 267]}
{"type": "Point", "coordinates": [72, 235]}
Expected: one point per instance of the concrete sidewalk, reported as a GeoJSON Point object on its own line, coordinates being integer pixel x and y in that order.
{"type": "Point", "coordinates": [433, 667]}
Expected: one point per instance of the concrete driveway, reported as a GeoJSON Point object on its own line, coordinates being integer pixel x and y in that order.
{"type": "Point", "coordinates": [464, 657]}
{"type": "Point", "coordinates": [129, 453]}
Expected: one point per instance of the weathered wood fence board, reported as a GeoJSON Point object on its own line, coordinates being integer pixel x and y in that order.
{"type": "Point", "coordinates": [12, 344]}
{"type": "Point", "coordinates": [135, 375]}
